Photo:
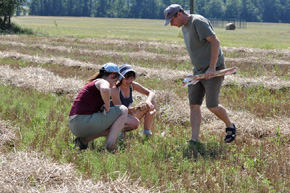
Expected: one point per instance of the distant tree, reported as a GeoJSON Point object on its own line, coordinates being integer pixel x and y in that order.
{"type": "Point", "coordinates": [285, 13]}
{"type": "Point", "coordinates": [7, 9]}
{"type": "Point", "coordinates": [250, 10]}
{"type": "Point", "coordinates": [233, 9]}
{"type": "Point", "coordinates": [215, 9]}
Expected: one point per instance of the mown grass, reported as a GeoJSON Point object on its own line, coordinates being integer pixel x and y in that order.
{"type": "Point", "coordinates": [261, 101]}
{"type": "Point", "coordinates": [165, 162]}
{"type": "Point", "coordinates": [247, 165]}
{"type": "Point", "coordinates": [257, 35]}
{"type": "Point", "coordinates": [262, 64]}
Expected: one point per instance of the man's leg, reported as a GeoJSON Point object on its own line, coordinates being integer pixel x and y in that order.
{"type": "Point", "coordinates": [221, 113]}
{"type": "Point", "coordinates": [212, 88]}
{"type": "Point", "coordinates": [195, 120]}
{"type": "Point", "coordinates": [195, 95]}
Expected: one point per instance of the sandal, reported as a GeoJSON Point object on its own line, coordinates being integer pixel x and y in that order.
{"type": "Point", "coordinates": [230, 137]}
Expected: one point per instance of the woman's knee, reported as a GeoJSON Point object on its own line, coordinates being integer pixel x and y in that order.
{"type": "Point", "coordinates": [135, 123]}
{"type": "Point", "coordinates": [124, 109]}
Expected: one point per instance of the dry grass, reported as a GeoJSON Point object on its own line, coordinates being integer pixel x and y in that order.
{"type": "Point", "coordinates": [121, 44]}
{"type": "Point", "coordinates": [246, 52]}
{"type": "Point", "coordinates": [40, 79]}
{"type": "Point", "coordinates": [92, 55]}
{"type": "Point", "coordinates": [37, 173]}
{"type": "Point", "coordinates": [59, 65]}
{"type": "Point", "coordinates": [243, 57]}
{"type": "Point", "coordinates": [270, 82]}
{"type": "Point", "coordinates": [7, 134]}
{"type": "Point", "coordinates": [172, 108]}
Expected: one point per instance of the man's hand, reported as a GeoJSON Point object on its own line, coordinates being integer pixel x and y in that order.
{"type": "Point", "coordinates": [209, 73]}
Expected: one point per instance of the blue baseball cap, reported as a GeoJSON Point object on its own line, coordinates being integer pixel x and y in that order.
{"type": "Point", "coordinates": [111, 67]}
{"type": "Point", "coordinates": [170, 11]}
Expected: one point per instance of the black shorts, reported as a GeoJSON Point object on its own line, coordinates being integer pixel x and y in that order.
{"type": "Point", "coordinates": [210, 88]}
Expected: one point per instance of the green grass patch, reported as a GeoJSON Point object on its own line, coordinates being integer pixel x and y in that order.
{"type": "Point", "coordinates": [257, 35]}
{"type": "Point", "coordinates": [257, 100]}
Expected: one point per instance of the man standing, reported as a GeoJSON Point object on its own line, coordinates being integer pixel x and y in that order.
{"type": "Point", "coordinates": [206, 56]}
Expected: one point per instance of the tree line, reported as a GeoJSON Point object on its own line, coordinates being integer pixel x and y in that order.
{"type": "Point", "coordinates": [248, 10]}
{"type": "Point", "coordinates": [7, 9]}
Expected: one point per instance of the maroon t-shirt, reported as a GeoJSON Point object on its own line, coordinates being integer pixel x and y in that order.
{"type": "Point", "coordinates": [88, 101]}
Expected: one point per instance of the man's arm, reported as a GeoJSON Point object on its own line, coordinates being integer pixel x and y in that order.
{"type": "Point", "coordinates": [214, 55]}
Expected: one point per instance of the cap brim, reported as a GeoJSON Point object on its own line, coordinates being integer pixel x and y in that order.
{"type": "Point", "coordinates": [121, 75]}
{"type": "Point", "coordinates": [167, 22]}
{"type": "Point", "coordinates": [125, 72]}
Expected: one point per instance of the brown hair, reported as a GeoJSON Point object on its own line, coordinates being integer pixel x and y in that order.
{"type": "Point", "coordinates": [127, 75]}
{"type": "Point", "coordinates": [102, 73]}
{"type": "Point", "coordinates": [182, 11]}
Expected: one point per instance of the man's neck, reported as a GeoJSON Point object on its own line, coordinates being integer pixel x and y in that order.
{"type": "Point", "coordinates": [186, 19]}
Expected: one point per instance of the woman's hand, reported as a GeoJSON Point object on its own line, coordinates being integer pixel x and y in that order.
{"type": "Point", "coordinates": [150, 105]}
{"type": "Point", "coordinates": [107, 108]}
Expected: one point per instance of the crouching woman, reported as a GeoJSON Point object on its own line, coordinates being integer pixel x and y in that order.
{"type": "Point", "coordinates": [122, 94]}
{"type": "Point", "coordinates": [91, 115]}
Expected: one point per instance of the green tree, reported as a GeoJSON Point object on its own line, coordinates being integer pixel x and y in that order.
{"type": "Point", "coordinates": [250, 10]}
{"type": "Point", "coordinates": [215, 9]}
{"type": "Point", "coordinates": [233, 9]}
{"type": "Point", "coordinates": [7, 9]}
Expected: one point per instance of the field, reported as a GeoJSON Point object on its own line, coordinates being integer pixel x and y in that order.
{"type": "Point", "coordinates": [42, 73]}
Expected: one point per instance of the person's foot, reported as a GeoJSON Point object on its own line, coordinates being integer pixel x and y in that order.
{"type": "Point", "coordinates": [192, 143]}
{"type": "Point", "coordinates": [112, 151]}
{"type": "Point", "coordinates": [147, 133]}
{"type": "Point", "coordinates": [121, 136]}
{"type": "Point", "coordinates": [80, 143]}
{"type": "Point", "coordinates": [231, 134]}
{"type": "Point", "coordinates": [196, 146]}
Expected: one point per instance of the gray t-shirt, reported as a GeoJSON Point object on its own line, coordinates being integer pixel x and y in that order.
{"type": "Point", "coordinates": [195, 33]}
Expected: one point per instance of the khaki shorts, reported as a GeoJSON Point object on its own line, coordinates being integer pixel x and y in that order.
{"type": "Point", "coordinates": [209, 88]}
{"type": "Point", "coordinates": [92, 125]}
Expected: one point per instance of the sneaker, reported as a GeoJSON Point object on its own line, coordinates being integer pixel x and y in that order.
{"type": "Point", "coordinates": [147, 133]}
{"type": "Point", "coordinates": [121, 136]}
{"type": "Point", "coordinates": [112, 151]}
{"type": "Point", "coordinates": [80, 143]}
